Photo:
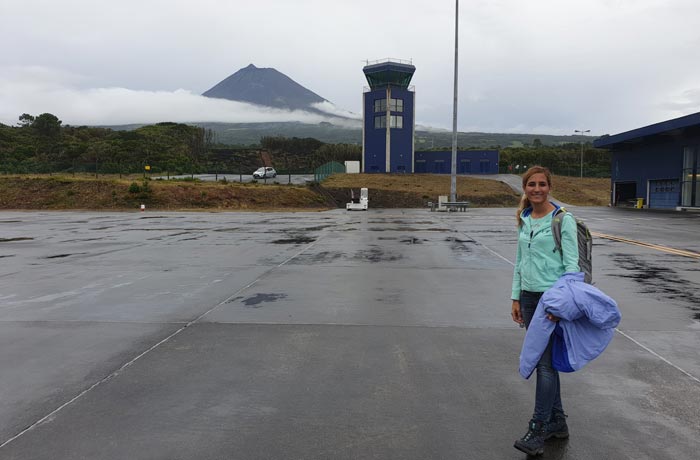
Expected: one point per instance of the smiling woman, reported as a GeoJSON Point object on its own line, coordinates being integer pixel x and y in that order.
{"type": "Point", "coordinates": [537, 267]}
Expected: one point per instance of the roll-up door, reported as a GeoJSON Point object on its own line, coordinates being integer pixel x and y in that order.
{"type": "Point", "coordinates": [664, 193]}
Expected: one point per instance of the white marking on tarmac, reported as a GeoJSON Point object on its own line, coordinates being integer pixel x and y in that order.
{"type": "Point", "coordinates": [627, 336]}
{"type": "Point", "coordinates": [658, 356]}
{"type": "Point", "coordinates": [49, 417]}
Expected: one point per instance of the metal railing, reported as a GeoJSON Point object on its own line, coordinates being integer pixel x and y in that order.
{"type": "Point", "coordinates": [397, 61]}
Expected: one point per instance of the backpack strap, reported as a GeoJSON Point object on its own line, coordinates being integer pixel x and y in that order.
{"type": "Point", "coordinates": [556, 228]}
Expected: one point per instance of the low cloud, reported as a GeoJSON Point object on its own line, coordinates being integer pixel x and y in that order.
{"type": "Point", "coordinates": [333, 110]}
{"type": "Point", "coordinates": [36, 90]}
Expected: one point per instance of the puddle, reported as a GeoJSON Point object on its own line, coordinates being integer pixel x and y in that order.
{"type": "Point", "coordinates": [317, 228]}
{"type": "Point", "coordinates": [412, 240]}
{"type": "Point", "coordinates": [662, 282]}
{"type": "Point", "coordinates": [21, 238]}
{"type": "Point", "coordinates": [82, 240]}
{"type": "Point", "coordinates": [323, 257]}
{"type": "Point", "coordinates": [408, 229]}
{"type": "Point", "coordinates": [256, 300]}
{"type": "Point", "coordinates": [60, 256]}
{"type": "Point", "coordinates": [376, 254]}
{"type": "Point", "coordinates": [459, 245]}
{"type": "Point", "coordinates": [295, 240]}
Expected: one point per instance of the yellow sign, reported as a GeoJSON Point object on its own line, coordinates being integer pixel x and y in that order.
{"type": "Point", "coordinates": [148, 168]}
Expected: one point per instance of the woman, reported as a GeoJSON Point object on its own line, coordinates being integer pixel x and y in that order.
{"type": "Point", "coordinates": [537, 267]}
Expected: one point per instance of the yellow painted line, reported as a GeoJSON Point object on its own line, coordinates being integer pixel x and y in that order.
{"type": "Point", "coordinates": [658, 247]}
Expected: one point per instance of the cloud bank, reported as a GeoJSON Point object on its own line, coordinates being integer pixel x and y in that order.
{"type": "Point", "coordinates": [36, 90]}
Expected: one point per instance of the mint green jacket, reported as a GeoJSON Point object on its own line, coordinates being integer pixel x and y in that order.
{"type": "Point", "coordinates": [537, 264]}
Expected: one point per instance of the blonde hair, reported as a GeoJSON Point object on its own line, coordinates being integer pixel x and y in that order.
{"type": "Point", "coordinates": [524, 202]}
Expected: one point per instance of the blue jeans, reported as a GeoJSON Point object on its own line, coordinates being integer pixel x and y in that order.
{"type": "Point", "coordinates": [547, 394]}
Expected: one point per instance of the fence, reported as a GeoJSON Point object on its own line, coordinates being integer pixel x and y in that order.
{"type": "Point", "coordinates": [328, 169]}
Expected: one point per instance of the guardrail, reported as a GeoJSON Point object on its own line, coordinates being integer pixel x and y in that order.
{"type": "Point", "coordinates": [449, 206]}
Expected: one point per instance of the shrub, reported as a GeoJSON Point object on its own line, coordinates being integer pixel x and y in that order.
{"type": "Point", "coordinates": [134, 188]}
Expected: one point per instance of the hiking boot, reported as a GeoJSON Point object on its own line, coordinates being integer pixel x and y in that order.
{"type": "Point", "coordinates": [557, 427]}
{"type": "Point", "coordinates": [533, 441]}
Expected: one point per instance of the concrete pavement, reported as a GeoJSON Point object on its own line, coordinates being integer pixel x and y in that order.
{"type": "Point", "coordinates": [380, 334]}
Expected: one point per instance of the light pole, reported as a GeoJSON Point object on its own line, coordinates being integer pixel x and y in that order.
{"type": "Point", "coordinates": [582, 133]}
{"type": "Point", "coordinates": [453, 176]}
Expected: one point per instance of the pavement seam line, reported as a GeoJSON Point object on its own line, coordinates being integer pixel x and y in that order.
{"type": "Point", "coordinates": [658, 356]}
{"type": "Point", "coordinates": [658, 247]}
{"type": "Point", "coordinates": [109, 377]}
{"type": "Point", "coordinates": [627, 336]}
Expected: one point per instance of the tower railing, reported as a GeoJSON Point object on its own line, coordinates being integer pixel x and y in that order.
{"type": "Point", "coordinates": [367, 89]}
{"type": "Point", "coordinates": [397, 61]}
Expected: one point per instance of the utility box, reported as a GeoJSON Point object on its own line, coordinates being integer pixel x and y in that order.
{"type": "Point", "coordinates": [352, 167]}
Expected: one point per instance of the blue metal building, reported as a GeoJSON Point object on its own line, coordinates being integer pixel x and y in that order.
{"type": "Point", "coordinates": [468, 162]}
{"type": "Point", "coordinates": [658, 163]}
{"type": "Point", "coordinates": [388, 117]}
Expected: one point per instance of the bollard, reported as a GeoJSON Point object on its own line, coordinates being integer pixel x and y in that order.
{"type": "Point", "coordinates": [143, 207]}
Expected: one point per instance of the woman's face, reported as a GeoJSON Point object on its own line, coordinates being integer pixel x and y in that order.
{"type": "Point", "coordinates": [537, 189]}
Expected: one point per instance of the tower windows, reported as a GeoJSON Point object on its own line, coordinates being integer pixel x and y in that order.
{"type": "Point", "coordinates": [379, 105]}
{"type": "Point", "coordinates": [396, 121]}
{"type": "Point", "coordinates": [395, 105]}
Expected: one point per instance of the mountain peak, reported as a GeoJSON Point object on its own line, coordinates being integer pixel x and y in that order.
{"type": "Point", "coordinates": [266, 87]}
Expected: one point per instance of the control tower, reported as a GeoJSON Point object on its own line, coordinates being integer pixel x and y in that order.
{"type": "Point", "coordinates": [388, 117]}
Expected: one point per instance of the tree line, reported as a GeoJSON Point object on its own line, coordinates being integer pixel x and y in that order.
{"type": "Point", "coordinates": [42, 144]}
{"type": "Point", "coordinates": [564, 160]}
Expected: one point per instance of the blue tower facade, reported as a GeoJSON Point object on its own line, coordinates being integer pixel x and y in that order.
{"type": "Point", "coordinates": [388, 118]}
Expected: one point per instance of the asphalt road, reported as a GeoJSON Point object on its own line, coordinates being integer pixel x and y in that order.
{"type": "Point", "coordinates": [381, 334]}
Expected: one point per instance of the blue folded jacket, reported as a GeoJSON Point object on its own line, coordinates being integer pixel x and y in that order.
{"type": "Point", "coordinates": [587, 324]}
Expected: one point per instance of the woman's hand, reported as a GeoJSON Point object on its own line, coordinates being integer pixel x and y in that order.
{"type": "Point", "coordinates": [551, 317]}
{"type": "Point", "coordinates": [515, 312]}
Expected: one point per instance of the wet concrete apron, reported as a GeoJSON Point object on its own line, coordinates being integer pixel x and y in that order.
{"type": "Point", "coordinates": [382, 334]}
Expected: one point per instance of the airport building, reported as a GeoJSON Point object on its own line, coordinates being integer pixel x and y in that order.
{"type": "Point", "coordinates": [656, 163]}
{"type": "Point", "coordinates": [389, 126]}
{"type": "Point", "coordinates": [388, 117]}
{"type": "Point", "coordinates": [468, 162]}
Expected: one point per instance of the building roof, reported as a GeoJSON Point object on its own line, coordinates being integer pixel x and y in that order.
{"type": "Point", "coordinates": [389, 73]}
{"type": "Point", "coordinates": [675, 126]}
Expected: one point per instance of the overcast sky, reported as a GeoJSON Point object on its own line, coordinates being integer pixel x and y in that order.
{"type": "Point", "coordinates": [537, 66]}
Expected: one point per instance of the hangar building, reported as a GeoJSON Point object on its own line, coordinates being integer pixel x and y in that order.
{"type": "Point", "coordinates": [658, 163]}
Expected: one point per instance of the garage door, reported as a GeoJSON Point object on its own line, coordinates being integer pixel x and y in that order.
{"type": "Point", "coordinates": [663, 193]}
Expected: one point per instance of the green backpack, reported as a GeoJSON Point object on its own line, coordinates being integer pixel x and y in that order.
{"type": "Point", "coordinates": [585, 243]}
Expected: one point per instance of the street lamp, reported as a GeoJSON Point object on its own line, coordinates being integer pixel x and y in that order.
{"type": "Point", "coordinates": [582, 133]}
{"type": "Point", "coordinates": [453, 175]}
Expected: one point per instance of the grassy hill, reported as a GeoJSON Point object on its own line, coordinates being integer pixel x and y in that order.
{"type": "Point", "coordinates": [386, 191]}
